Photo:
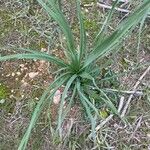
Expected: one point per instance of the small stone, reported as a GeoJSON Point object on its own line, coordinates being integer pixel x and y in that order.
{"type": "Point", "coordinates": [22, 96]}
{"type": "Point", "coordinates": [36, 98]}
{"type": "Point", "coordinates": [22, 81]}
{"type": "Point", "coordinates": [86, 10]}
{"type": "Point", "coordinates": [33, 74]}
{"type": "Point", "coordinates": [11, 96]}
{"type": "Point", "coordinates": [43, 49]}
{"type": "Point", "coordinates": [22, 65]}
{"type": "Point", "coordinates": [22, 69]}
{"type": "Point", "coordinates": [2, 101]}
{"type": "Point", "coordinates": [18, 73]}
{"type": "Point", "coordinates": [57, 97]}
{"type": "Point", "coordinates": [13, 74]}
{"type": "Point", "coordinates": [7, 75]}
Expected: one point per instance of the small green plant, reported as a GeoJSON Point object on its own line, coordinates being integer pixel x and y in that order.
{"type": "Point", "coordinates": [3, 92]}
{"type": "Point", "coordinates": [79, 70]}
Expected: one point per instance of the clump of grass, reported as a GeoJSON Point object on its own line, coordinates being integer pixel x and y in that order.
{"type": "Point", "coordinates": [5, 103]}
{"type": "Point", "coordinates": [4, 92]}
{"type": "Point", "coordinates": [78, 66]}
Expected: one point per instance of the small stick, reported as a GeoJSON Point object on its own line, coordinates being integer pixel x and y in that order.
{"type": "Point", "coordinates": [134, 89]}
{"type": "Point", "coordinates": [125, 1]}
{"type": "Point", "coordinates": [120, 104]}
{"type": "Point", "coordinates": [104, 122]}
{"type": "Point", "coordinates": [110, 116]}
{"type": "Point", "coordinates": [116, 8]}
{"type": "Point", "coordinates": [136, 128]}
{"type": "Point", "coordinates": [126, 92]}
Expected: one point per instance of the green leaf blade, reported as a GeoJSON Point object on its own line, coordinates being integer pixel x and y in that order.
{"type": "Point", "coordinates": [118, 34]}
{"type": "Point", "coordinates": [36, 55]}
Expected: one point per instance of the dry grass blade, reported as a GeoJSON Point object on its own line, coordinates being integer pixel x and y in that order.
{"type": "Point", "coordinates": [116, 8]}
{"type": "Point", "coordinates": [134, 89]}
{"type": "Point", "coordinates": [110, 116]}
{"type": "Point", "coordinates": [139, 120]}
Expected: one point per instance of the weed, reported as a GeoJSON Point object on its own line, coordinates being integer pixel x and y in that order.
{"type": "Point", "coordinates": [4, 92]}
{"type": "Point", "coordinates": [78, 72]}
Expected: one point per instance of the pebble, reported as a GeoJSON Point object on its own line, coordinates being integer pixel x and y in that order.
{"type": "Point", "coordinates": [18, 73]}
{"type": "Point", "coordinates": [22, 65]}
{"type": "Point", "coordinates": [57, 97]}
{"type": "Point", "coordinates": [13, 74]}
{"type": "Point", "coordinates": [33, 74]}
{"type": "Point", "coordinates": [7, 75]}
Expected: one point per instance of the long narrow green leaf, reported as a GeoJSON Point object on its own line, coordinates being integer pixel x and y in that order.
{"type": "Point", "coordinates": [87, 100]}
{"type": "Point", "coordinates": [100, 36]}
{"type": "Point", "coordinates": [82, 32]}
{"type": "Point", "coordinates": [70, 102]}
{"type": "Point", "coordinates": [70, 81]}
{"type": "Point", "coordinates": [115, 37]}
{"type": "Point", "coordinates": [91, 117]}
{"type": "Point", "coordinates": [34, 56]}
{"type": "Point", "coordinates": [124, 73]}
{"type": "Point", "coordinates": [44, 98]}
{"type": "Point", "coordinates": [58, 16]}
{"type": "Point", "coordinates": [109, 103]}
{"type": "Point", "coordinates": [106, 99]}
{"type": "Point", "coordinates": [140, 31]}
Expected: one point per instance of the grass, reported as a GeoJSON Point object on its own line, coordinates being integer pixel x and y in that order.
{"type": "Point", "coordinates": [79, 66]}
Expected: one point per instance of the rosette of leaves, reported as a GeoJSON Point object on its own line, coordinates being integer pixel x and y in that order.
{"type": "Point", "coordinates": [78, 70]}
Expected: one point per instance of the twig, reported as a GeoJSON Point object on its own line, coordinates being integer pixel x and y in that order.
{"type": "Point", "coordinates": [125, 1]}
{"type": "Point", "coordinates": [126, 92]}
{"type": "Point", "coordinates": [110, 116]}
{"type": "Point", "coordinates": [104, 122]}
{"type": "Point", "coordinates": [120, 104]}
{"type": "Point", "coordinates": [134, 89]}
{"type": "Point", "coordinates": [136, 128]}
{"type": "Point", "coordinates": [116, 8]}
{"type": "Point", "coordinates": [123, 17]}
